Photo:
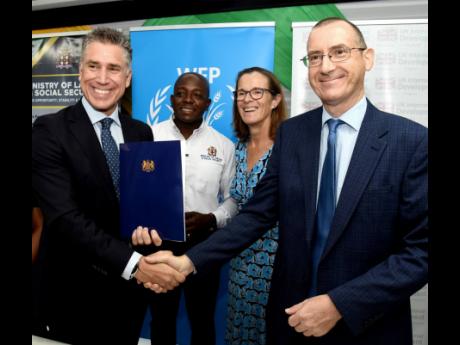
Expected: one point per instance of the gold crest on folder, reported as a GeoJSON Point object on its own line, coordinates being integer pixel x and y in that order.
{"type": "Point", "coordinates": [148, 165]}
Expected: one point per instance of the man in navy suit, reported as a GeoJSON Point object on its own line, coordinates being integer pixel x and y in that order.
{"type": "Point", "coordinates": [375, 251]}
{"type": "Point", "coordinates": [87, 294]}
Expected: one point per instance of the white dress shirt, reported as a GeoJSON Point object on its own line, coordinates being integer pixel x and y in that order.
{"type": "Point", "coordinates": [347, 133]}
{"type": "Point", "coordinates": [209, 169]}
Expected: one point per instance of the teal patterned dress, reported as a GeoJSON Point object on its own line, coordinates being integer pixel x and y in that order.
{"type": "Point", "coordinates": [250, 272]}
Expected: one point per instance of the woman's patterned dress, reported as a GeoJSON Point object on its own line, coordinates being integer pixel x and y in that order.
{"type": "Point", "coordinates": [250, 272]}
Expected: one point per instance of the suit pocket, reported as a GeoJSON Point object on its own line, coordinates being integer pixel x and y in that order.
{"type": "Point", "coordinates": [376, 199]}
{"type": "Point", "coordinates": [379, 189]}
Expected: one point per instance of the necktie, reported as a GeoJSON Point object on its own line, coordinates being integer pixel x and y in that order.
{"type": "Point", "coordinates": [111, 153]}
{"type": "Point", "coordinates": [326, 202]}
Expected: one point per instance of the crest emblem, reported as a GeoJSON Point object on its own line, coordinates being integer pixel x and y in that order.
{"type": "Point", "coordinates": [64, 59]}
{"type": "Point", "coordinates": [148, 165]}
{"type": "Point", "coordinates": [212, 151]}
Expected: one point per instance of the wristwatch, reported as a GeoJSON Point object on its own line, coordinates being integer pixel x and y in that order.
{"type": "Point", "coordinates": [213, 226]}
{"type": "Point", "coordinates": [134, 271]}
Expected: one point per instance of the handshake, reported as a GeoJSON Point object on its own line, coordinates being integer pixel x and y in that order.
{"type": "Point", "coordinates": [160, 271]}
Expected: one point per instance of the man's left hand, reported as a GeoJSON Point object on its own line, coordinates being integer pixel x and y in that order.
{"type": "Point", "coordinates": [144, 236]}
{"type": "Point", "coordinates": [195, 221]}
{"type": "Point", "coordinates": [314, 316]}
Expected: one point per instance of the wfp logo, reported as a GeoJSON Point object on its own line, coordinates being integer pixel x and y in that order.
{"type": "Point", "coordinates": [161, 110]}
{"type": "Point", "coordinates": [215, 110]}
{"type": "Point", "coordinates": [156, 104]}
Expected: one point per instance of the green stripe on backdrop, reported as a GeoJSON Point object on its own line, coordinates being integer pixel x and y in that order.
{"type": "Point", "coordinates": [283, 35]}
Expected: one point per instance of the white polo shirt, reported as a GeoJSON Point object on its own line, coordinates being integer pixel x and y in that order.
{"type": "Point", "coordinates": [209, 169]}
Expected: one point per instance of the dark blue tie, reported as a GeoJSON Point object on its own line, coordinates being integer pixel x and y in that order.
{"type": "Point", "coordinates": [326, 202]}
{"type": "Point", "coordinates": [111, 153]}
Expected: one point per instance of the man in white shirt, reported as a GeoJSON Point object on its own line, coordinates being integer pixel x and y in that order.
{"type": "Point", "coordinates": [209, 170]}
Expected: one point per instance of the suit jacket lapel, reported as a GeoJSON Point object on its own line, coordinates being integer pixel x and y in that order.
{"type": "Point", "coordinates": [83, 131]}
{"type": "Point", "coordinates": [129, 133]}
{"type": "Point", "coordinates": [367, 152]}
{"type": "Point", "coordinates": [309, 162]}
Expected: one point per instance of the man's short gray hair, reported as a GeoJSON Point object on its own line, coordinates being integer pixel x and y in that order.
{"type": "Point", "coordinates": [110, 36]}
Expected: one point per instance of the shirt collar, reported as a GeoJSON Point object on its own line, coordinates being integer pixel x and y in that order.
{"type": "Point", "coordinates": [353, 117]}
{"type": "Point", "coordinates": [96, 116]}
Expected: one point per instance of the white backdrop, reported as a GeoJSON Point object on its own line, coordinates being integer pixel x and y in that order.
{"type": "Point", "coordinates": [398, 83]}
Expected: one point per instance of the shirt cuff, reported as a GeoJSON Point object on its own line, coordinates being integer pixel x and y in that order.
{"type": "Point", "coordinates": [130, 266]}
{"type": "Point", "coordinates": [221, 218]}
{"type": "Point", "coordinates": [193, 265]}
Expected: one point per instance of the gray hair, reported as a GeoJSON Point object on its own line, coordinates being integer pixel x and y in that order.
{"type": "Point", "coordinates": [110, 36]}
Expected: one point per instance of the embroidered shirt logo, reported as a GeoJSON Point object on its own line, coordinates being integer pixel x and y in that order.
{"type": "Point", "coordinates": [212, 155]}
{"type": "Point", "coordinates": [212, 151]}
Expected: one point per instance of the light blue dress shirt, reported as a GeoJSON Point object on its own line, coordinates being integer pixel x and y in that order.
{"type": "Point", "coordinates": [347, 133]}
{"type": "Point", "coordinates": [96, 116]}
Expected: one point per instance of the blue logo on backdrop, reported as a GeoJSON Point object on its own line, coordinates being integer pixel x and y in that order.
{"type": "Point", "coordinates": [160, 56]}
{"type": "Point", "coordinates": [161, 110]}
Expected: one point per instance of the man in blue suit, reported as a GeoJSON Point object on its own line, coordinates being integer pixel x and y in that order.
{"type": "Point", "coordinates": [356, 288]}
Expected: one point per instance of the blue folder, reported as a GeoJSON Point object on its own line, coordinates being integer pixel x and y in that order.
{"type": "Point", "coordinates": [151, 188]}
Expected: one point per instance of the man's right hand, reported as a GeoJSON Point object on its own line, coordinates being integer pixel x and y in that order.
{"type": "Point", "coordinates": [161, 271]}
{"type": "Point", "coordinates": [179, 263]}
{"type": "Point", "coordinates": [159, 277]}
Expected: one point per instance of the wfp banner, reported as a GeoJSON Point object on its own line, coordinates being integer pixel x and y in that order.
{"type": "Point", "coordinates": [398, 81]}
{"type": "Point", "coordinates": [55, 63]}
{"type": "Point", "coordinates": [217, 51]}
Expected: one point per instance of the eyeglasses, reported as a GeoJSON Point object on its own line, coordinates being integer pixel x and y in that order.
{"type": "Point", "coordinates": [256, 93]}
{"type": "Point", "coordinates": [336, 54]}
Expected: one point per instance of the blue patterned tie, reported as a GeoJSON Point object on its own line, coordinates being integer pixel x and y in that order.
{"type": "Point", "coordinates": [326, 202]}
{"type": "Point", "coordinates": [111, 153]}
